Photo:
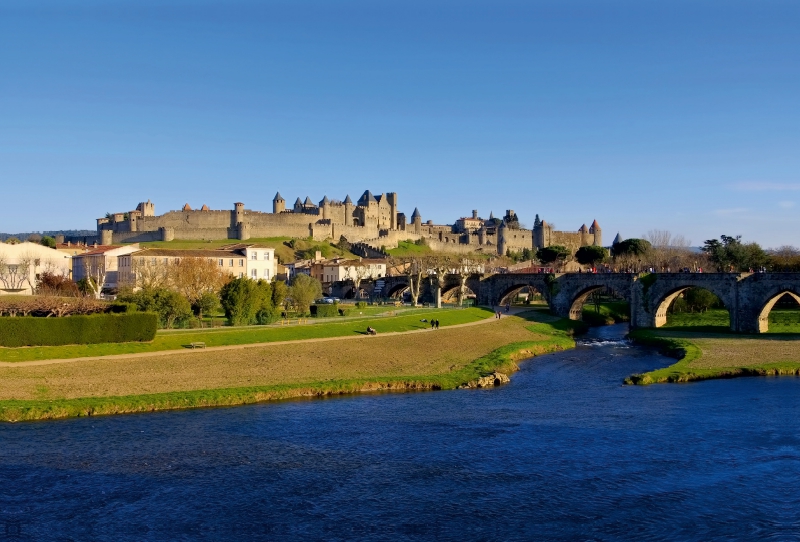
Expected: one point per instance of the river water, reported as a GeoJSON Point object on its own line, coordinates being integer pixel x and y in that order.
{"type": "Point", "coordinates": [564, 452]}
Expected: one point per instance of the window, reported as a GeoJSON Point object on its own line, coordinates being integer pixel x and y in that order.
{"type": "Point", "coordinates": [221, 262]}
{"type": "Point", "coordinates": [254, 273]}
{"type": "Point", "coordinates": [241, 275]}
{"type": "Point", "coordinates": [266, 255]}
{"type": "Point", "coordinates": [241, 262]}
{"type": "Point", "coordinates": [230, 263]}
{"type": "Point", "coordinates": [266, 273]}
{"type": "Point", "coordinates": [254, 256]}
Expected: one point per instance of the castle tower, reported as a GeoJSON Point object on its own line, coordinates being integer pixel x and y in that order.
{"type": "Point", "coordinates": [278, 204]}
{"type": "Point", "coordinates": [298, 206]}
{"type": "Point", "coordinates": [416, 219]}
{"type": "Point", "coordinates": [474, 214]}
{"type": "Point", "coordinates": [348, 211]}
{"type": "Point", "coordinates": [597, 233]}
{"type": "Point", "coordinates": [482, 235]}
{"type": "Point", "coordinates": [147, 208]}
{"type": "Point", "coordinates": [584, 231]}
{"type": "Point", "coordinates": [325, 206]}
{"type": "Point", "coordinates": [391, 197]}
{"type": "Point", "coordinates": [617, 239]}
{"type": "Point", "coordinates": [238, 213]}
{"type": "Point", "coordinates": [502, 241]}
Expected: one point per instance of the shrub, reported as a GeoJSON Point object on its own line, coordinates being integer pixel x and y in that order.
{"type": "Point", "coordinates": [324, 311]}
{"type": "Point", "coordinates": [92, 329]}
{"type": "Point", "coordinates": [345, 312]}
{"type": "Point", "coordinates": [361, 304]}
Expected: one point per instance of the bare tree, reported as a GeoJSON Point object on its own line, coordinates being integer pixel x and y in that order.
{"type": "Point", "coordinates": [147, 274]}
{"type": "Point", "coordinates": [14, 275]}
{"type": "Point", "coordinates": [414, 268]}
{"type": "Point", "coordinates": [357, 271]}
{"type": "Point", "coordinates": [95, 272]}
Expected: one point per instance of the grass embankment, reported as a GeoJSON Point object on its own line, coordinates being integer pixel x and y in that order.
{"type": "Point", "coordinates": [442, 359]}
{"type": "Point", "coordinates": [704, 356]}
{"type": "Point", "coordinates": [608, 313]}
{"type": "Point", "coordinates": [179, 340]}
{"type": "Point", "coordinates": [409, 248]}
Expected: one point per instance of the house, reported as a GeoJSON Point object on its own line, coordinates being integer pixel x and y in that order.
{"type": "Point", "coordinates": [239, 260]}
{"type": "Point", "coordinates": [100, 263]}
{"type": "Point", "coordinates": [342, 269]}
{"type": "Point", "coordinates": [22, 264]}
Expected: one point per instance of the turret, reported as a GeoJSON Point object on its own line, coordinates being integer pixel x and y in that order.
{"type": "Point", "coordinates": [474, 214]}
{"type": "Point", "coordinates": [617, 239]}
{"type": "Point", "coordinates": [391, 198]}
{"type": "Point", "coordinates": [298, 206]}
{"type": "Point", "coordinates": [278, 204]}
{"type": "Point", "coordinates": [348, 211]}
{"type": "Point", "coordinates": [416, 219]}
{"type": "Point", "coordinates": [597, 233]}
{"type": "Point", "coordinates": [238, 213]}
{"type": "Point", "coordinates": [502, 242]}
{"type": "Point", "coordinates": [325, 206]}
{"type": "Point", "coordinates": [584, 231]}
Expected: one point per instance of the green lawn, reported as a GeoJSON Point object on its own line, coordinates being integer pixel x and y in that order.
{"type": "Point", "coordinates": [179, 339]}
{"type": "Point", "coordinates": [409, 248]}
{"type": "Point", "coordinates": [718, 321]}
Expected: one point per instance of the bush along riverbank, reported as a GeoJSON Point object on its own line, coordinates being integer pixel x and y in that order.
{"type": "Point", "coordinates": [713, 357]}
{"type": "Point", "coordinates": [548, 334]}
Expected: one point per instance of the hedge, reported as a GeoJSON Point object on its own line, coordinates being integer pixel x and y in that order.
{"type": "Point", "coordinates": [95, 328]}
{"type": "Point", "coordinates": [325, 311]}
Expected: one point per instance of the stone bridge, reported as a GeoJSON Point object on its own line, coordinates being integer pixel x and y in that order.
{"type": "Point", "coordinates": [749, 297]}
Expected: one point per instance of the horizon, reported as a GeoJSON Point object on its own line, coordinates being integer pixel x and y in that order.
{"type": "Point", "coordinates": [679, 116]}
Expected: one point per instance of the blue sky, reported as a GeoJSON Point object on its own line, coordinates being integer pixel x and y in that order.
{"type": "Point", "coordinates": [678, 115]}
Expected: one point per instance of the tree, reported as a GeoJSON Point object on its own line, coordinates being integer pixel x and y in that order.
{"type": "Point", "coordinates": [590, 255]}
{"type": "Point", "coordinates": [170, 306]}
{"type": "Point", "coordinates": [34, 238]}
{"type": "Point", "coordinates": [552, 254]}
{"type": "Point", "coordinates": [343, 244]}
{"type": "Point", "coordinates": [631, 247]}
{"type": "Point", "coordinates": [414, 268]}
{"type": "Point", "coordinates": [94, 275]}
{"type": "Point", "coordinates": [192, 277]}
{"type": "Point", "coordinates": [357, 271]}
{"type": "Point", "coordinates": [279, 293]}
{"type": "Point", "coordinates": [12, 241]}
{"type": "Point", "coordinates": [148, 273]}
{"type": "Point", "coordinates": [207, 303]}
{"type": "Point", "coordinates": [730, 254]}
{"type": "Point", "coordinates": [303, 291]}
{"type": "Point", "coordinates": [238, 301]}
{"type": "Point", "coordinates": [48, 241]}
{"type": "Point", "coordinates": [14, 275]}
{"type": "Point", "coordinates": [51, 283]}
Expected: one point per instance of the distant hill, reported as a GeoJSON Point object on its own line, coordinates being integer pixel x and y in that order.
{"type": "Point", "coordinates": [65, 233]}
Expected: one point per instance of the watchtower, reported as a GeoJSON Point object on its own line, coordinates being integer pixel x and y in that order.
{"type": "Point", "coordinates": [595, 231]}
{"type": "Point", "coordinates": [416, 219]}
{"type": "Point", "coordinates": [278, 204]}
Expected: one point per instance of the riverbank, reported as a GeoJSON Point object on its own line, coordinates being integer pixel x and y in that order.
{"type": "Point", "coordinates": [441, 359]}
{"type": "Point", "coordinates": [705, 356]}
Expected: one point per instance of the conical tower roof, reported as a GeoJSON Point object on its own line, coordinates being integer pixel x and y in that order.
{"type": "Point", "coordinates": [584, 229]}
{"type": "Point", "coordinates": [415, 214]}
{"type": "Point", "coordinates": [347, 200]}
{"type": "Point", "coordinates": [277, 197]}
{"type": "Point", "coordinates": [595, 226]}
{"type": "Point", "coordinates": [308, 201]}
{"type": "Point", "coordinates": [298, 201]}
{"type": "Point", "coordinates": [617, 239]}
{"type": "Point", "coordinates": [367, 198]}
{"type": "Point", "coordinates": [491, 215]}
{"type": "Point", "coordinates": [325, 201]}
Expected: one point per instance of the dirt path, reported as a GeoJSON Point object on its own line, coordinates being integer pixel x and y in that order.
{"type": "Point", "coordinates": [20, 364]}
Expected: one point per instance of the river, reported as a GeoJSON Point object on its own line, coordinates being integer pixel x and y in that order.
{"type": "Point", "coordinates": [564, 452]}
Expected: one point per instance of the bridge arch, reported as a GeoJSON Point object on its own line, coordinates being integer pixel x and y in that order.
{"type": "Point", "coordinates": [510, 292]}
{"type": "Point", "coordinates": [450, 295]}
{"type": "Point", "coordinates": [666, 301]}
{"type": "Point", "coordinates": [579, 300]}
{"type": "Point", "coordinates": [397, 291]}
{"type": "Point", "coordinates": [772, 299]}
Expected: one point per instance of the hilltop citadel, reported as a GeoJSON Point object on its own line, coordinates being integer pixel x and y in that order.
{"type": "Point", "coordinates": [374, 221]}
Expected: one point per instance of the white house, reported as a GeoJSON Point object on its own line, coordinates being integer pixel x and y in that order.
{"type": "Point", "coordinates": [101, 264]}
{"type": "Point", "coordinates": [23, 263]}
{"type": "Point", "coordinates": [340, 269]}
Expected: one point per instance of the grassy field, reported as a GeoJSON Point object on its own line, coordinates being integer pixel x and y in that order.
{"type": "Point", "coordinates": [322, 328]}
{"type": "Point", "coordinates": [409, 248]}
{"type": "Point", "coordinates": [718, 321]}
{"type": "Point", "coordinates": [442, 359]}
{"type": "Point", "coordinates": [703, 356]}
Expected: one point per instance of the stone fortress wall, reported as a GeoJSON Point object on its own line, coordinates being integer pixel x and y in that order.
{"type": "Point", "coordinates": [373, 220]}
